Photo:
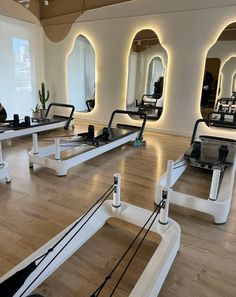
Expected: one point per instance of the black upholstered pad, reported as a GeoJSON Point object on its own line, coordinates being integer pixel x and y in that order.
{"type": "Point", "coordinates": [208, 157]}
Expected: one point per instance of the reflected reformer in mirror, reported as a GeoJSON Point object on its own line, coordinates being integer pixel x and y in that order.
{"type": "Point", "coordinates": [218, 99]}
{"type": "Point", "coordinates": [81, 75]}
{"type": "Point", "coordinates": [146, 76]}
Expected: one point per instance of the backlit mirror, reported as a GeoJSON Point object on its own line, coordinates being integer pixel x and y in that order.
{"type": "Point", "coordinates": [81, 75]}
{"type": "Point", "coordinates": [219, 85]}
{"type": "Point", "coordinates": [146, 75]}
{"type": "Point", "coordinates": [234, 83]}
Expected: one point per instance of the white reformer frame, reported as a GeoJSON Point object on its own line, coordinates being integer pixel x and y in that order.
{"type": "Point", "coordinates": [4, 168]}
{"type": "Point", "coordinates": [42, 155]}
{"type": "Point", "coordinates": [10, 134]}
{"type": "Point", "coordinates": [220, 195]}
{"type": "Point", "coordinates": [151, 280]}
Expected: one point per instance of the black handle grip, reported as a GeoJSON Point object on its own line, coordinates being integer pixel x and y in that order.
{"type": "Point", "coordinates": [70, 118]}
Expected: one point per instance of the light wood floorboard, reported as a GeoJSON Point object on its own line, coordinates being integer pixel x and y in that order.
{"type": "Point", "coordinates": [38, 204]}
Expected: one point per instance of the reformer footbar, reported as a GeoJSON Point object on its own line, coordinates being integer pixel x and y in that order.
{"type": "Point", "coordinates": [29, 274]}
{"type": "Point", "coordinates": [212, 153]}
{"type": "Point", "coordinates": [89, 144]}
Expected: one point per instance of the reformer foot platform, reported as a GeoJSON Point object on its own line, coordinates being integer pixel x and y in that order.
{"type": "Point", "coordinates": [17, 128]}
{"type": "Point", "coordinates": [208, 153]}
{"type": "Point", "coordinates": [85, 146]}
{"type": "Point", "coordinates": [30, 273]}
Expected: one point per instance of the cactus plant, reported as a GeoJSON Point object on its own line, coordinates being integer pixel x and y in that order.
{"type": "Point", "coordinates": [42, 96]}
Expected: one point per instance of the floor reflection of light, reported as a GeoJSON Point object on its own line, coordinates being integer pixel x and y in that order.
{"type": "Point", "coordinates": [154, 145]}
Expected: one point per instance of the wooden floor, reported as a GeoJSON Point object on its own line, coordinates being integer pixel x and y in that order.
{"type": "Point", "coordinates": [38, 204]}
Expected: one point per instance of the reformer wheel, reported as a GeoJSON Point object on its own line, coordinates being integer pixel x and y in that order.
{"type": "Point", "coordinates": [139, 142]}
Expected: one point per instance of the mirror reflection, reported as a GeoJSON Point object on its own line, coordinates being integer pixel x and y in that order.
{"type": "Point", "coordinates": [219, 85]}
{"type": "Point", "coordinates": [146, 75]}
{"type": "Point", "coordinates": [81, 75]}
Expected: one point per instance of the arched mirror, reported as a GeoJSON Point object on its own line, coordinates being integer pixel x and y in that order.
{"type": "Point", "coordinates": [210, 85]}
{"type": "Point", "coordinates": [228, 74]}
{"type": "Point", "coordinates": [81, 75]}
{"type": "Point", "coordinates": [146, 75]}
{"type": "Point", "coordinates": [219, 85]}
{"type": "Point", "coordinates": [234, 83]}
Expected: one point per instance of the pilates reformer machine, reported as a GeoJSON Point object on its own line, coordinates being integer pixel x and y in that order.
{"type": "Point", "coordinates": [210, 153]}
{"type": "Point", "coordinates": [16, 128]}
{"type": "Point", "coordinates": [23, 279]}
{"type": "Point", "coordinates": [152, 107]}
{"type": "Point", "coordinates": [226, 105]}
{"type": "Point", "coordinates": [220, 117]}
{"type": "Point", "coordinates": [87, 145]}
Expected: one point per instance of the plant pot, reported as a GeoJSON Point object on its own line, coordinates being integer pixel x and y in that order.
{"type": "Point", "coordinates": [36, 115]}
{"type": "Point", "coordinates": [43, 114]}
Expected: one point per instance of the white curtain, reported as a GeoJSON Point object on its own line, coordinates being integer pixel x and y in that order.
{"type": "Point", "coordinates": [156, 69]}
{"type": "Point", "coordinates": [18, 47]}
{"type": "Point", "coordinates": [81, 73]}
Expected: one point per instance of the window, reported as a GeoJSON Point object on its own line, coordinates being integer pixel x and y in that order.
{"type": "Point", "coordinates": [19, 56]}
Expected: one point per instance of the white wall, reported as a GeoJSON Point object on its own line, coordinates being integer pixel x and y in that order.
{"type": "Point", "coordinates": [186, 36]}
{"type": "Point", "coordinates": [186, 29]}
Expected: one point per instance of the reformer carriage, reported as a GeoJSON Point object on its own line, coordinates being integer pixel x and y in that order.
{"type": "Point", "coordinates": [67, 153]}
{"type": "Point", "coordinates": [57, 116]}
{"type": "Point", "coordinates": [210, 153]}
{"type": "Point", "coordinates": [30, 273]}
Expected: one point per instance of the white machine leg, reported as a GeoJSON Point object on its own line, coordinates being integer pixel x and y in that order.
{"type": "Point", "coordinates": [215, 184]}
{"type": "Point", "coordinates": [57, 149]}
{"type": "Point", "coordinates": [1, 157]}
{"type": "Point", "coordinates": [166, 195]}
{"type": "Point", "coordinates": [4, 169]}
{"type": "Point", "coordinates": [116, 193]}
{"type": "Point", "coordinates": [35, 148]}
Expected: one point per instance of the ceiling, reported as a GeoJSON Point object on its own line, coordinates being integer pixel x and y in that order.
{"type": "Point", "coordinates": [65, 12]}
{"type": "Point", "coordinates": [59, 15]}
{"type": "Point", "coordinates": [229, 33]}
{"type": "Point", "coordinates": [57, 8]}
{"type": "Point", "coordinates": [144, 39]}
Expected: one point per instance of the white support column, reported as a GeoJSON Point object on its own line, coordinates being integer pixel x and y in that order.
{"type": "Point", "coordinates": [1, 157]}
{"type": "Point", "coordinates": [116, 193]}
{"type": "Point", "coordinates": [35, 148]}
{"type": "Point", "coordinates": [163, 220]}
{"type": "Point", "coordinates": [57, 149]}
{"type": "Point", "coordinates": [4, 169]}
{"type": "Point", "coordinates": [215, 184]}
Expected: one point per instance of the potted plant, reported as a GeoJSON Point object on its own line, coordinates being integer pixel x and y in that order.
{"type": "Point", "coordinates": [36, 112]}
{"type": "Point", "coordinates": [43, 99]}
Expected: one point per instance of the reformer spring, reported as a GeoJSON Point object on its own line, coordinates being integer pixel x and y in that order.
{"type": "Point", "coordinates": [156, 211]}
{"type": "Point", "coordinates": [179, 161]}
